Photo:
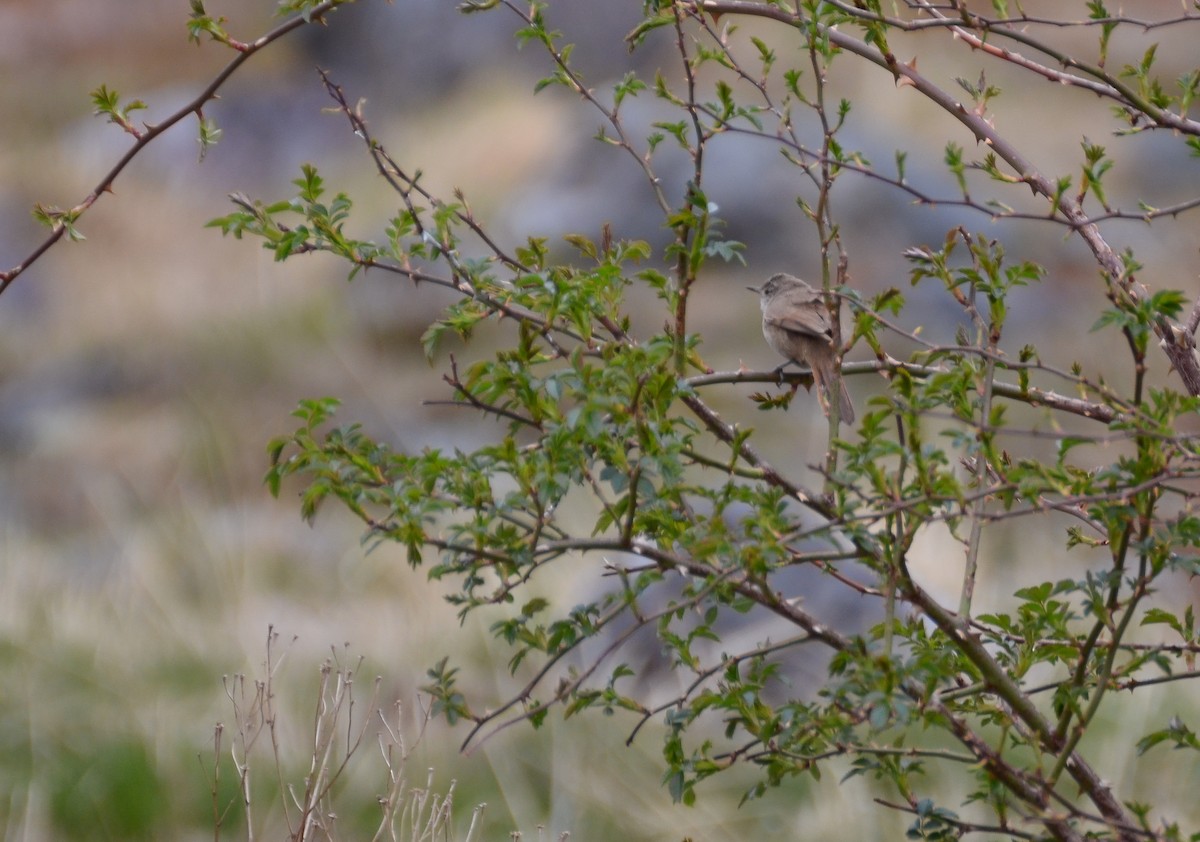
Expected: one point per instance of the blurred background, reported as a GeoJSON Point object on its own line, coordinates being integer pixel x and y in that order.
{"type": "Point", "coordinates": [144, 370]}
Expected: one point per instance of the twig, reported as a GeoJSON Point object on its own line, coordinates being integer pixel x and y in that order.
{"type": "Point", "coordinates": [244, 52]}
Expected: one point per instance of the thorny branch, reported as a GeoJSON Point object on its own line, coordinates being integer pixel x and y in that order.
{"type": "Point", "coordinates": [144, 138]}
{"type": "Point", "coordinates": [1185, 362]}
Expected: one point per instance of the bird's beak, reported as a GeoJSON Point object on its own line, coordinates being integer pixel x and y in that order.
{"type": "Point", "coordinates": [755, 289]}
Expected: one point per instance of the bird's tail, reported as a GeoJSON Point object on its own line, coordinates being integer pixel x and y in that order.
{"type": "Point", "coordinates": [830, 381]}
{"type": "Point", "coordinates": [847, 407]}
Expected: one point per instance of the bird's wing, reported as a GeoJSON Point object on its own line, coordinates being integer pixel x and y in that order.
{"type": "Point", "coordinates": [813, 324]}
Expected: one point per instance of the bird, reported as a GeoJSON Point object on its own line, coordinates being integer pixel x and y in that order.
{"type": "Point", "coordinates": [797, 326]}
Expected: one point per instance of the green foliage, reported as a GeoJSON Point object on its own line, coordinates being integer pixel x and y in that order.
{"type": "Point", "coordinates": [610, 460]}
{"type": "Point", "coordinates": [208, 134]}
{"type": "Point", "coordinates": [201, 23]}
{"type": "Point", "coordinates": [109, 103]}
{"type": "Point", "coordinates": [322, 225]}
{"type": "Point", "coordinates": [56, 218]}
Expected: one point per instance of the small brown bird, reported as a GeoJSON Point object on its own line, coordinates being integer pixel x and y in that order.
{"type": "Point", "coordinates": [796, 325]}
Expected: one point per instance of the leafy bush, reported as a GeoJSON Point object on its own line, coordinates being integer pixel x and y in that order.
{"type": "Point", "coordinates": [622, 456]}
{"type": "Point", "coordinates": [594, 409]}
